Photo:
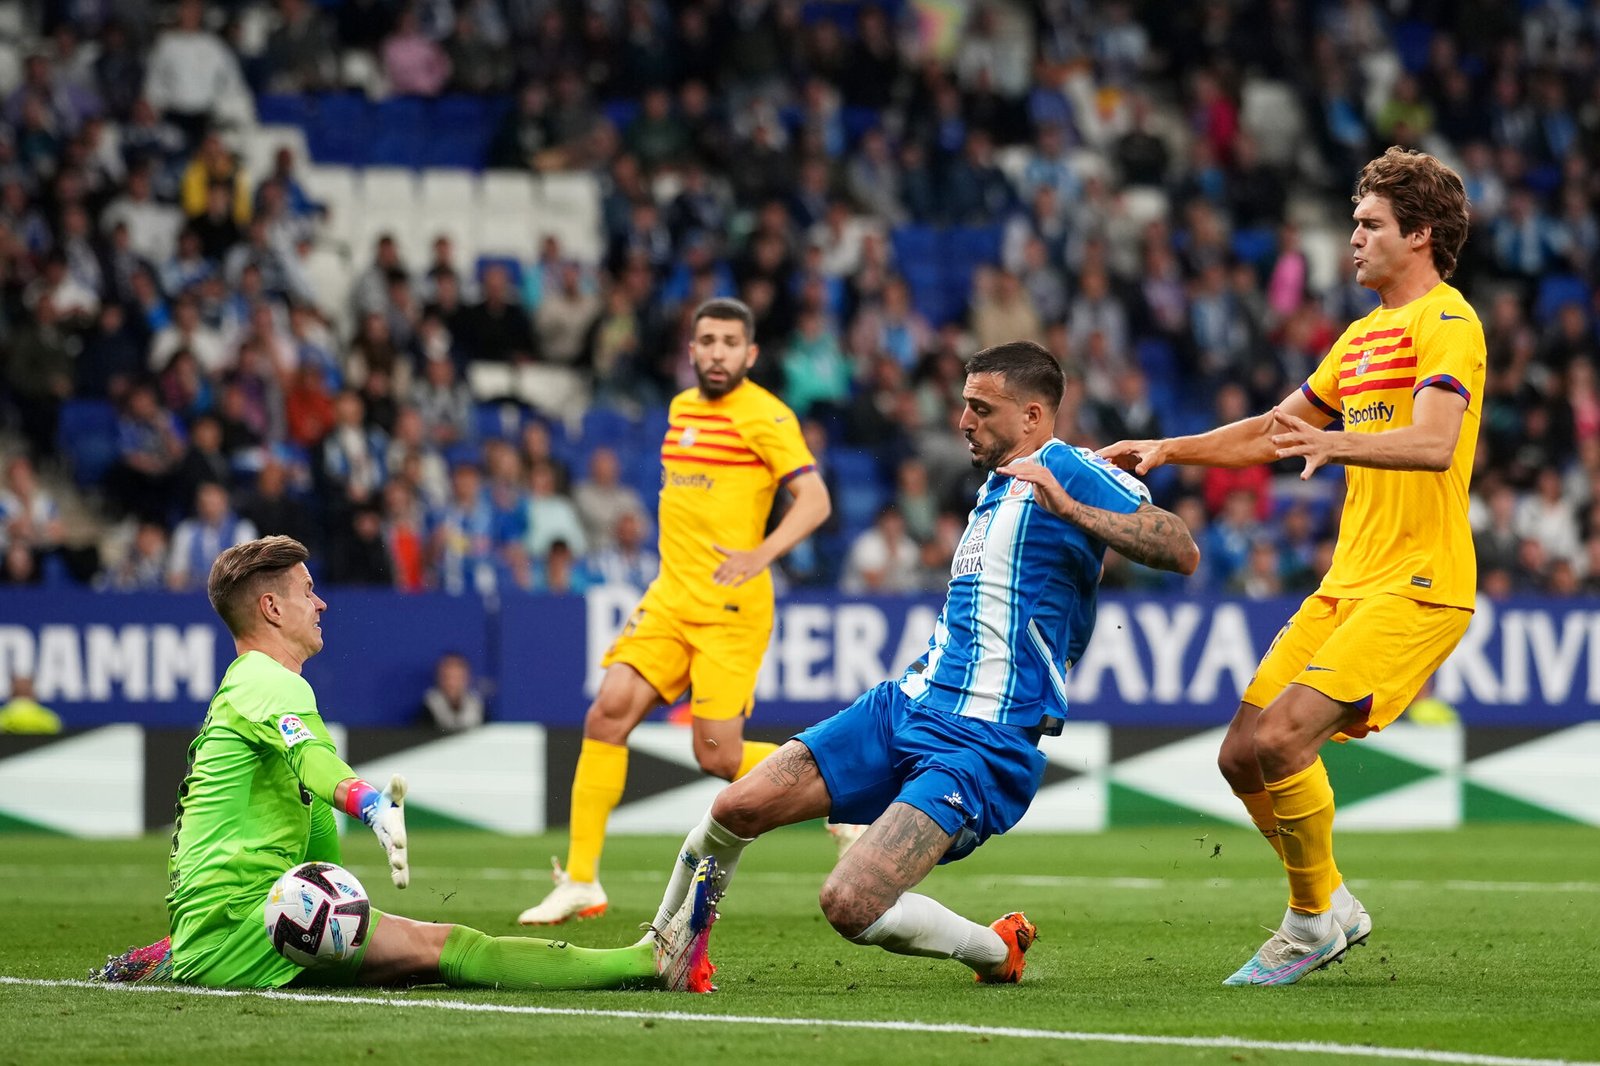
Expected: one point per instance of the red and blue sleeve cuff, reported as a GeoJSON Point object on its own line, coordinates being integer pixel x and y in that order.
{"type": "Point", "coordinates": [1444, 381]}
{"type": "Point", "coordinates": [796, 472]}
{"type": "Point", "coordinates": [1318, 403]}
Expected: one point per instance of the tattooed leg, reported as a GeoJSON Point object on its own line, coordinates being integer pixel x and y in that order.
{"type": "Point", "coordinates": [866, 898]}
{"type": "Point", "coordinates": [894, 854]}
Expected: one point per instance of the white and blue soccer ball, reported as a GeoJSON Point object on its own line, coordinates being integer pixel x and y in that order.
{"type": "Point", "coordinates": [317, 913]}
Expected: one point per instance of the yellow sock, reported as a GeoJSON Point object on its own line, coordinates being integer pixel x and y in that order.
{"type": "Point", "coordinates": [1259, 805]}
{"type": "Point", "coordinates": [596, 790]}
{"type": "Point", "coordinates": [1303, 803]}
{"type": "Point", "coordinates": [754, 752]}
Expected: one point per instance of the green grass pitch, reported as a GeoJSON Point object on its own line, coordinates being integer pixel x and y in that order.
{"type": "Point", "coordinates": [1486, 949]}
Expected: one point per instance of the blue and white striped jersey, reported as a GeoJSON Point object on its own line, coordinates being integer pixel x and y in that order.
{"type": "Point", "coordinates": [1023, 588]}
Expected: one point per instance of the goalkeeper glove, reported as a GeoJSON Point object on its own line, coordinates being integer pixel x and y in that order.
{"type": "Point", "coordinates": [383, 813]}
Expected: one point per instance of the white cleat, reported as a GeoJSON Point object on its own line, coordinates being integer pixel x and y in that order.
{"type": "Point", "coordinates": [845, 835]}
{"type": "Point", "coordinates": [1357, 924]}
{"type": "Point", "coordinates": [683, 957]}
{"type": "Point", "coordinates": [569, 899]}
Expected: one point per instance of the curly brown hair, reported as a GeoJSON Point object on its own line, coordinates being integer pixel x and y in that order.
{"type": "Point", "coordinates": [1422, 192]}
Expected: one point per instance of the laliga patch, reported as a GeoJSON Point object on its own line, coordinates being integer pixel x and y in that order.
{"type": "Point", "coordinates": [294, 730]}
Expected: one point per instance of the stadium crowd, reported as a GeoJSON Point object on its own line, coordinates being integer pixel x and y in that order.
{"type": "Point", "coordinates": [890, 186]}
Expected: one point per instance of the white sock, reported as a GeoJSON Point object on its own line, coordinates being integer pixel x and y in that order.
{"type": "Point", "coordinates": [1344, 904]}
{"type": "Point", "coordinates": [919, 925]}
{"type": "Point", "coordinates": [707, 838]}
{"type": "Point", "coordinates": [1308, 928]}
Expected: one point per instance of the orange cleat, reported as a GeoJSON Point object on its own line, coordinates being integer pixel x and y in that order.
{"type": "Point", "coordinates": [1019, 935]}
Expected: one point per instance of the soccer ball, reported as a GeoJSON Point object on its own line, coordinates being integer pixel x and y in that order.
{"type": "Point", "coordinates": [317, 913]}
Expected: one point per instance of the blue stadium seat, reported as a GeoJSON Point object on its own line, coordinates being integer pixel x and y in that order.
{"type": "Point", "coordinates": [860, 491]}
{"type": "Point", "coordinates": [459, 129]}
{"type": "Point", "coordinates": [501, 421]}
{"type": "Point", "coordinates": [400, 132]}
{"type": "Point", "coordinates": [970, 245]}
{"type": "Point", "coordinates": [339, 129]}
{"type": "Point", "coordinates": [87, 435]}
{"type": "Point", "coordinates": [1159, 361]}
{"type": "Point", "coordinates": [1412, 39]}
{"type": "Point", "coordinates": [606, 426]}
{"type": "Point", "coordinates": [1556, 290]}
{"type": "Point", "coordinates": [513, 268]}
{"type": "Point", "coordinates": [1256, 245]}
{"type": "Point", "coordinates": [283, 109]}
{"type": "Point", "coordinates": [915, 244]}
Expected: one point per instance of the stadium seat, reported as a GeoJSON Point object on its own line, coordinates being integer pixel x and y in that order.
{"type": "Point", "coordinates": [288, 109]}
{"type": "Point", "coordinates": [1158, 360]}
{"type": "Point", "coordinates": [1557, 290]}
{"type": "Point", "coordinates": [606, 426]}
{"type": "Point", "coordinates": [970, 245]}
{"type": "Point", "coordinates": [502, 234]}
{"type": "Point", "coordinates": [1255, 246]}
{"type": "Point", "coordinates": [860, 491]}
{"type": "Point", "coordinates": [452, 191]}
{"type": "Point", "coordinates": [507, 190]}
{"type": "Point", "coordinates": [388, 189]}
{"type": "Point", "coordinates": [498, 421]}
{"type": "Point", "coordinates": [339, 129]}
{"type": "Point", "coordinates": [335, 188]}
{"type": "Point", "coordinates": [574, 196]}
{"type": "Point", "coordinates": [260, 149]}
{"type": "Point", "coordinates": [1412, 40]}
{"type": "Point", "coordinates": [915, 244]}
{"type": "Point", "coordinates": [400, 132]}
{"type": "Point", "coordinates": [87, 435]}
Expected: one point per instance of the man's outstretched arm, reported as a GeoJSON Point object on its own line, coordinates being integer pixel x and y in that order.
{"type": "Point", "coordinates": [1147, 535]}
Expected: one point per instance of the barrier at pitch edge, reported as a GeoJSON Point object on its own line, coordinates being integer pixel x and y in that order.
{"type": "Point", "coordinates": [155, 659]}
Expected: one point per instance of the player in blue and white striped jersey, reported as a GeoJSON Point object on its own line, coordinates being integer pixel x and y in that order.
{"type": "Point", "coordinates": [946, 756]}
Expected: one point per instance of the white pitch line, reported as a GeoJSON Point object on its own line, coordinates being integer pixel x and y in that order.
{"type": "Point", "coordinates": [493, 873]}
{"type": "Point", "coordinates": [1309, 1047]}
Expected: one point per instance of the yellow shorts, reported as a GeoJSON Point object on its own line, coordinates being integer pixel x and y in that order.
{"type": "Point", "coordinates": [717, 663]}
{"type": "Point", "coordinates": [1375, 652]}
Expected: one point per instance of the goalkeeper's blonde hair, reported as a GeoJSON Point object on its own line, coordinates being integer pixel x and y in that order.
{"type": "Point", "coordinates": [240, 574]}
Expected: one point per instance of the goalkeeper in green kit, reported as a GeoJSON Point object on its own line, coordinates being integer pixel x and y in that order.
{"type": "Point", "coordinates": [264, 781]}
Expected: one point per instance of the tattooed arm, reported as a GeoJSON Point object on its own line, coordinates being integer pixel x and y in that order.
{"type": "Point", "coordinates": [1149, 535]}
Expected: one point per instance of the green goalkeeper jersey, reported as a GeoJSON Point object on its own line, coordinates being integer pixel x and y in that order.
{"type": "Point", "coordinates": [255, 802]}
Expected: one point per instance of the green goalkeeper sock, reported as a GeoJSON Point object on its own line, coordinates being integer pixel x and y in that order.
{"type": "Point", "coordinates": [476, 960]}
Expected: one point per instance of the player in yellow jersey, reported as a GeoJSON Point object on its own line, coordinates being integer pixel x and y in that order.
{"type": "Point", "coordinates": [1407, 382]}
{"type": "Point", "coordinates": [704, 623]}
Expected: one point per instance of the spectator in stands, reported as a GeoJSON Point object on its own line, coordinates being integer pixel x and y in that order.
{"type": "Point", "coordinates": [214, 167]}
{"type": "Point", "coordinates": [149, 447]}
{"type": "Point", "coordinates": [461, 535]}
{"type": "Point", "coordinates": [452, 704]}
{"type": "Point", "coordinates": [351, 460]}
{"type": "Point", "coordinates": [193, 79]}
{"type": "Point", "coordinates": [188, 333]}
{"type": "Point", "coordinates": [816, 374]}
{"type": "Point", "coordinates": [359, 554]}
{"type": "Point", "coordinates": [22, 714]}
{"type": "Point", "coordinates": [413, 63]}
{"type": "Point", "coordinates": [38, 373]}
{"type": "Point", "coordinates": [1002, 310]}
{"type": "Point", "coordinates": [404, 536]}
{"type": "Point", "coordinates": [203, 460]}
{"type": "Point", "coordinates": [498, 330]}
{"type": "Point", "coordinates": [444, 403]}
{"type": "Point", "coordinates": [626, 556]}
{"type": "Point", "coordinates": [551, 516]}
{"type": "Point", "coordinates": [199, 539]}
{"type": "Point", "coordinates": [273, 510]}
{"type": "Point", "coordinates": [29, 516]}
{"type": "Point", "coordinates": [1549, 517]}
{"type": "Point", "coordinates": [602, 498]}
{"type": "Point", "coordinates": [882, 558]}
{"type": "Point", "coordinates": [565, 317]}
{"type": "Point", "coordinates": [1232, 535]}
{"type": "Point", "coordinates": [299, 53]}
{"type": "Point", "coordinates": [558, 572]}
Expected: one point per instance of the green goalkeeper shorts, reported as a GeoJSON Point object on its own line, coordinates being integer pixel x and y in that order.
{"type": "Point", "coordinates": [241, 955]}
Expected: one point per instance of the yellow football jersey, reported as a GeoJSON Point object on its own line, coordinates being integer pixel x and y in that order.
{"type": "Point", "coordinates": [1405, 531]}
{"type": "Point", "coordinates": [722, 461]}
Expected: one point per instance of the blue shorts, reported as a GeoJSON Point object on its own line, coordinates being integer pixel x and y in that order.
{"type": "Point", "coordinates": [974, 778]}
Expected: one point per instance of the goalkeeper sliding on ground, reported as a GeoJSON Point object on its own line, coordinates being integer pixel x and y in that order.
{"type": "Point", "coordinates": [264, 781]}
